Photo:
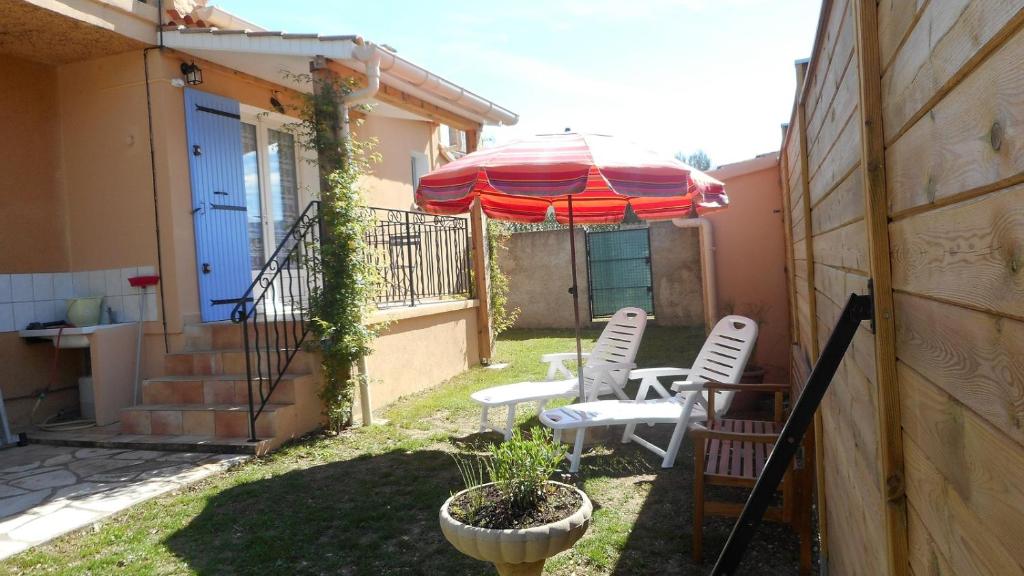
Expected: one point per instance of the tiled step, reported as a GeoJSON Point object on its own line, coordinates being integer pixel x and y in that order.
{"type": "Point", "coordinates": [217, 420]}
{"type": "Point", "coordinates": [175, 443]}
{"type": "Point", "coordinates": [216, 389]}
{"type": "Point", "coordinates": [228, 335]}
{"type": "Point", "coordinates": [232, 361]}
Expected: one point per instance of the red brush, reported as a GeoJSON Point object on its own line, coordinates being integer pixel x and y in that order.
{"type": "Point", "coordinates": [144, 281]}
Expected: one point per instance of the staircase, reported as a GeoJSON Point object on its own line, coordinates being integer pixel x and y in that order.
{"type": "Point", "coordinates": [203, 402]}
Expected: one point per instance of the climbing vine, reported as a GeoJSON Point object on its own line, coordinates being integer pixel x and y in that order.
{"type": "Point", "coordinates": [340, 309]}
{"type": "Point", "coordinates": [502, 317]}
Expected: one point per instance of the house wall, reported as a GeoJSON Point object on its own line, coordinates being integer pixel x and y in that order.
{"type": "Point", "coordinates": [750, 248]}
{"type": "Point", "coordinates": [421, 348]}
{"type": "Point", "coordinates": [33, 229]}
{"type": "Point", "coordinates": [537, 265]}
{"type": "Point", "coordinates": [389, 184]}
{"type": "Point", "coordinates": [923, 444]}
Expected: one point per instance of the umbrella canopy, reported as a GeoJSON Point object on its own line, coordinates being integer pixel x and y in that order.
{"type": "Point", "coordinates": [587, 178]}
{"type": "Point", "coordinates": [520, 180]}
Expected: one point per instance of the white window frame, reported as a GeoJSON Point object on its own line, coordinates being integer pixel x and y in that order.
{"type": "Point", "coordinates": [307, 179]}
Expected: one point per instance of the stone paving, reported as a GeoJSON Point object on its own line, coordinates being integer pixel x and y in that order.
{"type": "Point", "coordinates": [46, 491]}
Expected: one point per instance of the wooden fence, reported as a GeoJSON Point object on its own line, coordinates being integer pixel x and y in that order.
{"type": "Point", "coordinates": [903, 165]}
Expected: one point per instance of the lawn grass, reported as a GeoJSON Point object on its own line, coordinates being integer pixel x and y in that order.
{"type": "Point", "coordinates": [366, 502]}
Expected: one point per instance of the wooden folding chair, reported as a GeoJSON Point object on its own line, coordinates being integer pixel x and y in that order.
{"type": "Point", "coordinates": [730, 452]}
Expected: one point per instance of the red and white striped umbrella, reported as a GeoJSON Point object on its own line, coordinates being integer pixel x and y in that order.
{"type": "Point", "coordinates": [518, 181]}
{"type": "Point", "coordinates": [587, 178]}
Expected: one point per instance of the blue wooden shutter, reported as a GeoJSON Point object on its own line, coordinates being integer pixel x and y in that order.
{"type": "Point", "coordinates": [213, 129]}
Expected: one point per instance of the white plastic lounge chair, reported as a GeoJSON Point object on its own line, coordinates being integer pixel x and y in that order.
{"type": "Point", "coordinates": [722, 359]}
{"type": "Point", "coordinates": [605, 370]}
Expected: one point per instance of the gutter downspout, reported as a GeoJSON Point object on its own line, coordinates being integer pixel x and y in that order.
{"type": "Point", "coordinates": [371, 56]}
{"type": "Point", "coordinates": [707, 261]}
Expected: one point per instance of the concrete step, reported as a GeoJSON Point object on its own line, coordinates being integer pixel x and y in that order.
{"type": "Point", "coordinates": [228, 335]}
{"type": "Point", "coordinates": [173, 443]}
{"type": "Point", "coordinates": [217, 420]}
{"type": "Point", "coordinates": [232, 361]}
{"type": "Point", "coordinates": [216, 389]}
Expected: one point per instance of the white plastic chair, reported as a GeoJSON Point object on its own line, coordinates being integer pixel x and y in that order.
{"type": "Point", "coordinates": [722, 359]}
{"type": "Point", "coordinates": [605, 369]}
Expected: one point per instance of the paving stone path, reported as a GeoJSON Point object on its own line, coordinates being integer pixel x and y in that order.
{"type": "Point", "coordinates": [46, 491]}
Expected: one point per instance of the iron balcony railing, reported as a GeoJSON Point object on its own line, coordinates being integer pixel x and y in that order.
{"type": "Point", "coordinates": [273, 312]}
{"type": "Point", "coordinates": [418, 257]}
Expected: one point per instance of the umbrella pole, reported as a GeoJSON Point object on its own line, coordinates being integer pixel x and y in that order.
{"type": "Point", "coordinates": [576, 302]}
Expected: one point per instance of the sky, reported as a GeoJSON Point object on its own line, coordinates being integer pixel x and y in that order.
{"type": "Point", "coordinates": [672, 75]}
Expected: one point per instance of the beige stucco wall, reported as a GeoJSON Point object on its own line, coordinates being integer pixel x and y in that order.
{"type": "Point", "coordinates": [413, 354]}
{"type": "Point", "coordinates": [33, 234]}
{"type": "Point", "coordinates": [750, 260]}
{"type": "Point", "coordinates": [389, 185]}
{"type": "Point", "coordinates": [675, 270]}
{"type": "Point", "coordinates": [537, 266]}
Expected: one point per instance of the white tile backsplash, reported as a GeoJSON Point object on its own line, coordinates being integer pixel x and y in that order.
{"type": "Point", "coordinates": [42, 286]}
{"type": "Point", "coordinates": [21, 288]}
{"type": "Point", "coordinates": [131, 308]}
{"type": "Point", "coordinates": [42, 297]}
{"type": "Point", "coordinates": [114, 305]}
{"type": "Point", "coordinates": [80, 280]}
{"type": "Point", "coordinates": [6, 317]}
{"type": "Point", "coordinates": [62, 286]}
{"type": "Point", "coordinates": [97, 282]}
{"type": "Point", "coordinates": [24, 314]}
{"type": "Point", "coordinates": [5, 288]}
{"type": "Point", "coordinates": [151, 306]}
{"type": "Point", "coordinates": [114, 285]}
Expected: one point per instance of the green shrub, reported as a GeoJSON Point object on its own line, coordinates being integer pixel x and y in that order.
{"type": "Point", "coordinates": [522, 466]}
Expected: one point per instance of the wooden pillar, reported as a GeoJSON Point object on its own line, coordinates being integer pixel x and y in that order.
{"type": "Point", "coordinates": [876, 218]}
{"type": "Point", "coordinates": [326, 160]}
{"type": "Point", "coordinates": [818, 441]}
{"type": "Point", "coordinates": [481, 276]}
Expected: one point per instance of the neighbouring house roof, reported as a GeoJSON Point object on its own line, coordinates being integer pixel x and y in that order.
{"type": "Point", "coordinates": [281, 53]}
{"type": "Point", "coordinates": [755, 164]}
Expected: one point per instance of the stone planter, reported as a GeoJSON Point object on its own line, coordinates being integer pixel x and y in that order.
{"type": "Point", "coordinates": [519, 552]}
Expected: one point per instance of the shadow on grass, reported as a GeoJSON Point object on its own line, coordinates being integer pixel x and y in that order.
{"type": "Point", "coordinates": [660, 540]}
{"type": "Point", "coordinates": [367, 515]}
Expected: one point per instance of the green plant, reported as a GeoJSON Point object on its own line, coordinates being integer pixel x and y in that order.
{"type": "Point", "coordinates": [521, 467]}
{"type": "Point", "coordinates": [340, 308]}
{"type": "Point", "coordinates": [502, 317]}
{"type": "Point", "coordinates": [473, 471]}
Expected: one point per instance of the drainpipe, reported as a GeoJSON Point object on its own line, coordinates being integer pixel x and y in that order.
{"type": "Point", "coordinates": [370, 55]}
{"type": "Point", "coordinates": [707, 260]}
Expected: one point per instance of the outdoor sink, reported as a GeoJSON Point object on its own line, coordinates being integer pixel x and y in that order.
{"type": "Point", "coordinates": [70, 337]}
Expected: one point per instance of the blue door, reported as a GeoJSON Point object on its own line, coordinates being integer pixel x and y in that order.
{"type": "Point", "coordinates": [219, 214]}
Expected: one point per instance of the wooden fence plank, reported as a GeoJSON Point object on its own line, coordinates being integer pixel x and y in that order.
{"type": "Point", "coordinates": [977, 525]}
{"type": "Point", "coordinates": [876, 225]}
{"type": "Point", "coordinates": [971, 139]}
{"type": "Point", "coordinates": [926, 559]}
{"type": "Point", "coordinates": [970, 253]}
{"type": "Point", "coordinates": [950, 37]}
{"type": "Point", "coordinates": [844, 247]}
{"type": "Point", "coordinates": [895, 20]}
{"type": "Point", "coordinates": [833, 13]}
{"type": "Point", "coordinates": [838, 160]}
{"type": "Point", "coordinates": [973, 356]}
{"type": "Point", "coordinates": [842, 206]}
{"type": "Point", "coordinates": [826, 104]}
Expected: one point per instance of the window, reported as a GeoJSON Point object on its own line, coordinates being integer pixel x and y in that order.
{"type": "Point", "coordinates": [271, 172]}
{"type": "Point", "coordinates": [420, 166]}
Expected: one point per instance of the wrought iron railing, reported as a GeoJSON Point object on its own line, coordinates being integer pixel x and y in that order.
{"type": "Point", "coordinates": [273, 311]}
{"type": "Point", "coordinates": [418, 257]}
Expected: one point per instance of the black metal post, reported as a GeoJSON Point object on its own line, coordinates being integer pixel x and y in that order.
{"type": "Point", "coordinates": [409, 264]}
{"type": "Point", "coordinates": [248, 370]}
{"type": "Point", "coordinates": [576, 302]}
{"type": "Point", "coordinates": [858, 308]}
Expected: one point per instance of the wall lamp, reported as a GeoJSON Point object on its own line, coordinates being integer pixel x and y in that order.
{"type": "Point", "coordinates": [193, 74]}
